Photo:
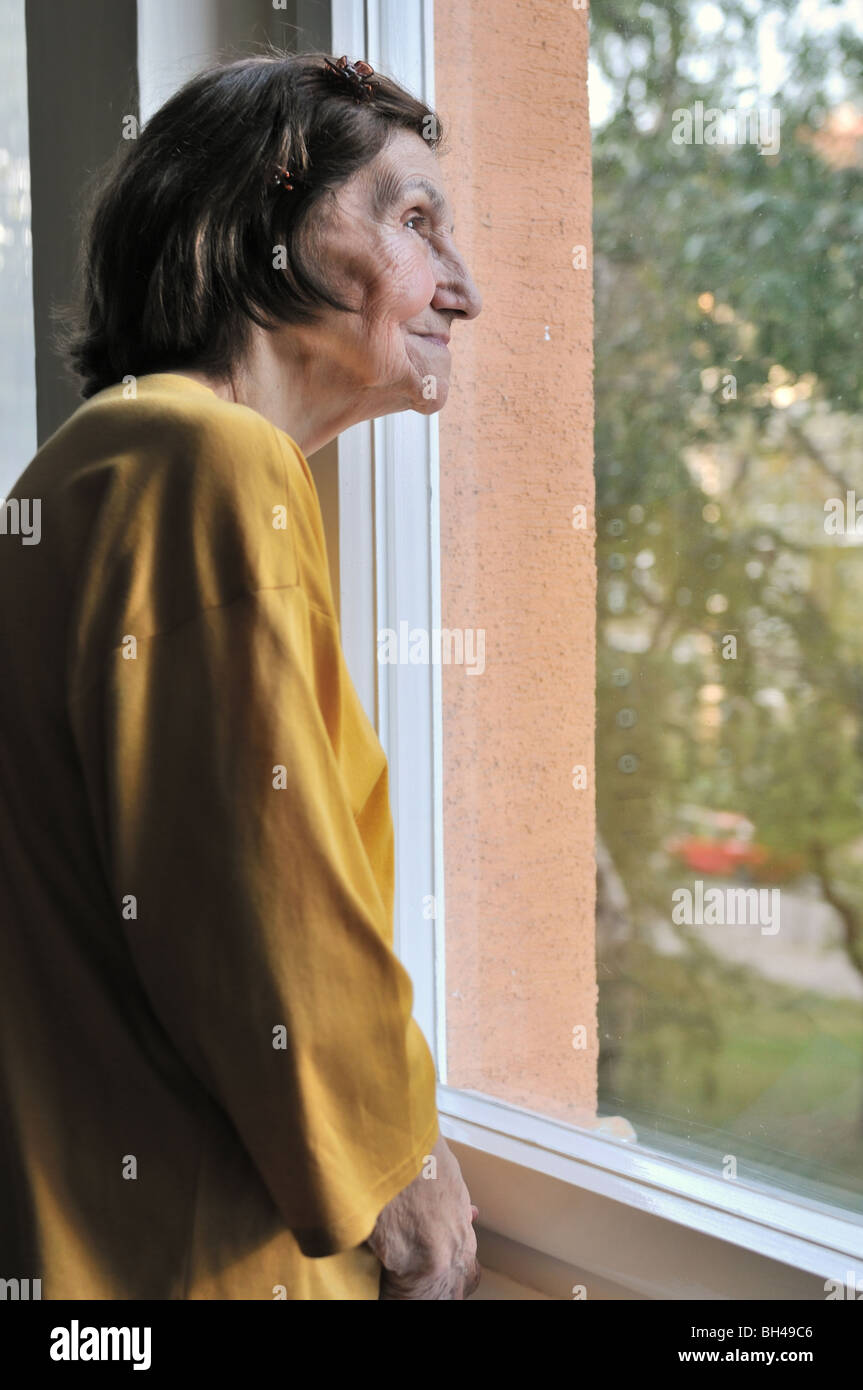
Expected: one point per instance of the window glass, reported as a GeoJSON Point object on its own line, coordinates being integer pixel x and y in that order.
{"type": "Point", "coordinates": [728, 233]}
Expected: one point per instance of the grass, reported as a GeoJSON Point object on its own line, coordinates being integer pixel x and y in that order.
{"type": "Point", "coordinates": [731, 1063]}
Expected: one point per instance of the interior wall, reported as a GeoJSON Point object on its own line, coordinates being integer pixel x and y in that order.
{"type": "Point", "coordinates": [88, 67]}
{"type": "Point", "coordinates": [82, 79]}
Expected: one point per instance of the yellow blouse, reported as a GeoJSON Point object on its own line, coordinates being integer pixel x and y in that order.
{"type": "Point", "coordinates": [210, 1080]}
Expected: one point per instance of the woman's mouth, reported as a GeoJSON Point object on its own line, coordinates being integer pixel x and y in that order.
{"type": "Point", "coordinates": [434, 339]}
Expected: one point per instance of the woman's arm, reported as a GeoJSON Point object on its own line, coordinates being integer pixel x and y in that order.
{"type": "Point", "coordinates": [260, 935]}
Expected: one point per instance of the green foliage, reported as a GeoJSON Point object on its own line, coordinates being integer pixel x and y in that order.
{"type": "Point", "coordinates": [766, 1071]}
{"type": "Point", "coordinates": [729, 303]}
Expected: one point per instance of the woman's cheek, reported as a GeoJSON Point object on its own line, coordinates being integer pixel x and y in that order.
{"type": "Point", "coordinates": [411, 283]}
{"type": "Point", "coordinates": [425, 284]}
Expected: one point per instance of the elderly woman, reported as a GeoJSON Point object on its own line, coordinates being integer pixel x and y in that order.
{"type": "Point", "coordinates": [210, 1082]}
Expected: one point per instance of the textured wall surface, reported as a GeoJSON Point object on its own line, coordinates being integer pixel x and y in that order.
{"type": "Point", "coordinates": [516, 457]}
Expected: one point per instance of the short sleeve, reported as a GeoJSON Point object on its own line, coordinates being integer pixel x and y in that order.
{"type": "Point", "coordinates": [260, 933]}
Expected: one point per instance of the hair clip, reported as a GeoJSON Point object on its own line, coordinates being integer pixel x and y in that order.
{"type": "Point", "coordinates": [282, 178]}
{"type": "Point", "coordinates": [357, 76]}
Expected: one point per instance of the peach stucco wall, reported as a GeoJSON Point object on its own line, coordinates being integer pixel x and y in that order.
{"type": "Point", "coordinates": [516, 457]}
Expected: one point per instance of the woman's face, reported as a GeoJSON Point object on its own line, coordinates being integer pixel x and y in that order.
{"type": "Point", "coordinates": [387, 242]}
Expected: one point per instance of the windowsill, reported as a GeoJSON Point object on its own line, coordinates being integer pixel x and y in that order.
{"type": "Point", "coordinates": [580, 1203]}
{"type": "Point", "coordinates": [495, 1287]}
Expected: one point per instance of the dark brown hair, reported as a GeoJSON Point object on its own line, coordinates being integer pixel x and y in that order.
{"type": "Point", "coordinates": [178, 251]}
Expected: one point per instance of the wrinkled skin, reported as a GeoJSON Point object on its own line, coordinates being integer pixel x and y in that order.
{"type": "Point", "coordinates": [425, 1239]}
{"type": "Point", "coordinates": [387, 248]}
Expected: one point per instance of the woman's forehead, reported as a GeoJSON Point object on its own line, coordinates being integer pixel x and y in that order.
{"type": "Point", "coordinates": [406, 166]}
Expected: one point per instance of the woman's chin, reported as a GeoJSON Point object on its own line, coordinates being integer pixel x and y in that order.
{"type": "Point", "coordinates": [425, 407]}
{"type": "Point", "coordinates": [429, 394]}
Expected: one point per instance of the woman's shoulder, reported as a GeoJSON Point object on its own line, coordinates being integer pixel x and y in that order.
{"type": "Point", "coordinates": [162, 447]}
{"type": "Point", "coordinates": [178, 499]}
{"type": "Point", "coordinates": [176, 430]}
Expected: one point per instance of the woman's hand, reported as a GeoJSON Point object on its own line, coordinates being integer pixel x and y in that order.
{"type": "Point", "coordinates": [424, 1237]}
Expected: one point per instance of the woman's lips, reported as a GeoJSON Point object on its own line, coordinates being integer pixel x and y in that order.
{"type": "Point", "coordinates": [433, 338]}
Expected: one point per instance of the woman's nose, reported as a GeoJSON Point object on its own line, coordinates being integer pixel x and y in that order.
{"type": "Point", "coordinates": [456, 289]}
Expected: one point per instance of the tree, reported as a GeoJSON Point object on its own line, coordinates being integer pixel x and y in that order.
{"type": "Point", "coordinates": [729, 289]}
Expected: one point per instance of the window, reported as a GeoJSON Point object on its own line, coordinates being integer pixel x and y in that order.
{"type": "Point", "coordinates": [513, 916]}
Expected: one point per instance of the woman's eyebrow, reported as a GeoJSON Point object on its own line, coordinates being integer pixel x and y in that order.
{"type": "Point", "coordinates": [434, 195]}
{"type": "Point", "coordinates": [388, 189]}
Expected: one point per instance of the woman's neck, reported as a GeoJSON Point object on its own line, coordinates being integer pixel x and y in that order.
{"type": "Point", "coordinates": [297, 392]}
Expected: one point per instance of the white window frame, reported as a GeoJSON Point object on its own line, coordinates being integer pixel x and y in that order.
{"type": "Point", "coordinates": [389, 535]}
{"type": "Point", "coordinates": [389, 562]}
